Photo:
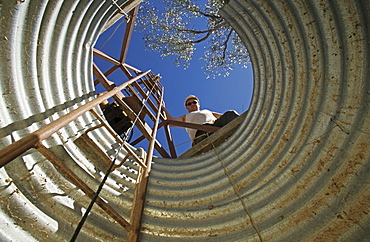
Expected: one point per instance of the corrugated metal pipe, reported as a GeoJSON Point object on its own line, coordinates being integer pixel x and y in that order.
{"type": "Point", "coordinates": [296, 169]}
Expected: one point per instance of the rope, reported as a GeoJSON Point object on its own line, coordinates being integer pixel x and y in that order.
{"type": "Point", "coordinates": [86, 214]}
{"type": "Point", "coordinates": [238, 194]}
{"type": "Point", "coordinates": [78, 229]}
{"type": "Point", "coordinates": [114, 31]}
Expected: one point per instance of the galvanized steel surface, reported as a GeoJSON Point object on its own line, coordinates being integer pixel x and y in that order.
{"type": "Point", "coordinates": [300, 160]}
{"type": "Point", "coordinates": [46, 71]}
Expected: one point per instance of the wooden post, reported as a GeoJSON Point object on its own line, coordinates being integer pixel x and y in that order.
{"type": "Point", "coordinates": [141, 188]}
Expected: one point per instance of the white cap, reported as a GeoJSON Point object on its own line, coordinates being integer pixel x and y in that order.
{"type": "Point", "coordinates": [190, 97]}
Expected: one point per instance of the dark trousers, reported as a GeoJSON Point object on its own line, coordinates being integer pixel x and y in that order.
{"type": "Point", "coordinates": [226, 118]}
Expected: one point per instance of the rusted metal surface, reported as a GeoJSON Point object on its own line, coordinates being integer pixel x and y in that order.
{"type": "Point", "coordinates": [300, 159]}
{"type": "Point", "coordinates": [70, 175]}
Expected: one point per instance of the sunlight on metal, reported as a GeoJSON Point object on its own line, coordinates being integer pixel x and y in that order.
{"type": "Point", "coordinates": [299, 162]}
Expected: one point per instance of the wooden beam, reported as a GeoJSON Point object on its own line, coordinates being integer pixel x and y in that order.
{"type": "Point", "coordinates": [141, 188]}
{"type": "Point", "coordinates": [128, 33]}
{"type": "Point", "coordinates": [215, 139]}
{"type": "Point", "coordinates": [206, 128]}
{"type": "Point", "coordinates": [107, 73]}
{"type": "Point", "coordinates": [171, 146]}
{"type": "Point", "coordinates": [138, 140]}
{"type": "Point", "coordinates": [108, 85]}
{"type": "Point", "coordinates": [104, 56]}
{"type": "Point", "coordinates": [126, 7]}
{"type": "Point", "coordinates": [131, 68]}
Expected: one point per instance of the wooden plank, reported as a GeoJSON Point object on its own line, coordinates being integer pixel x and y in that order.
{"type": "Point", "coordinates": [105, 57]}
{"type": "Point", "coordinates": [107, 73]}
{"type": "Point", "coordinates": [216, 139]}
{"type": "Point", "coordinates": [128, 33]}
{"type": "Point", "coordinates": [206, 128]}
{"type": "Point", "coordinates": [141, 189]}
{"type": "Point", "coordinates": [126, 7]}
{"type": "Point", "coordinates": [138, 140]}
{"type": "Point", "coordinates": [171, 145]}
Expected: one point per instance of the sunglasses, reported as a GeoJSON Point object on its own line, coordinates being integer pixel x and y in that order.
{"type": "Point", "coordinates": [190, 103]}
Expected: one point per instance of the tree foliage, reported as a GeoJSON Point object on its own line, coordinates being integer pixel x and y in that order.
{"type": "Point", "coordinates": [175, 30]}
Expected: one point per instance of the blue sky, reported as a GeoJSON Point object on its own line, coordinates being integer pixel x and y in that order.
{"type": "Point", "coordinates": [221, 94]}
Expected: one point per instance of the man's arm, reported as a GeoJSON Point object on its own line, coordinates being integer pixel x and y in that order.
{"type": "Point", "coordinates": [181, 118]}
{"type": "Point", "coordinates": [217, 115]}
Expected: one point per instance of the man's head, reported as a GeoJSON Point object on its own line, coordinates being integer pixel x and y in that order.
{"type": "Point", "coordinates": [192, 103]}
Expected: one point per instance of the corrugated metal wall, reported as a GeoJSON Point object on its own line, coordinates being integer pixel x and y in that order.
{"type": "Point", "coordinates": [46, 71]}
{"type": "Point", "coordinates": [296, 169]}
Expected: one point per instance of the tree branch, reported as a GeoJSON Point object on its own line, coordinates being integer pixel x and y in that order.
{"type": "Point", "coordinates": [225, 44]}
{"type": "Point", "coordinates": [202, 39]}
{"type": "Point", "coordinates": [209, 32]}
{"type": "Point", "coordinates": [222, 23]}
{"type": "Point", "coordinates": [207, 15]}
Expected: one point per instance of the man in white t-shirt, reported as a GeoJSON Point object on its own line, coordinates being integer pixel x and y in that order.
{"type": "Point", "coordinates": [204, 117]}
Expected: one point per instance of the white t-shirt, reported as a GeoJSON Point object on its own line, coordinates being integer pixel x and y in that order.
{"type": "Point", "coordinates": [198, 117]}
